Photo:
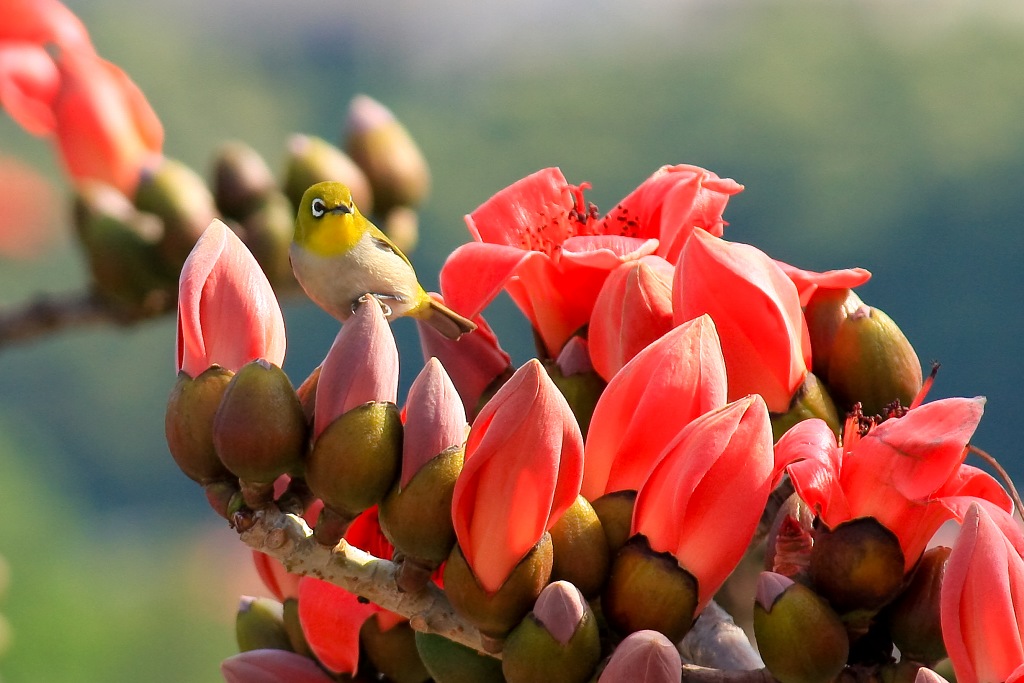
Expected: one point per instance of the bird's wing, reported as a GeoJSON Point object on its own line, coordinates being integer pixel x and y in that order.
{"type": "Point", "coordinates": [381, 241]}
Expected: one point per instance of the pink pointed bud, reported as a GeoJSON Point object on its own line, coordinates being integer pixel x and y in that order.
{"type": "Point", "coordinates": [523, 467]}
{"type": "Point", "coordinates": [272, 666]}
{"type": "Point", "coordinates": [644, 653]}
{"type": "Point", "coordinates": [574, 358]}
{"type": "Point", "coordinates": [560, 609]}
{"type": "Point", "coordinates": [361, 366]}
{"type": "Point", "coordinates": [435, 419]}
{"type": "Point", "coordinates": [756, 309]}
{"type": "Point", "coordinates": [683, 372]}
{"type": "Point", "coordinates": [703, 500]}
{"type": "Point", "coordinates": [474, 361]}
{"type": "Point", "coordinates": [982, 599]}
{"type": "Point", "coordinates": [926, 675]}
{"type": "Point", "coordinates": [227, 312]}
{"type": "Point", "coordinates": [633, 309]}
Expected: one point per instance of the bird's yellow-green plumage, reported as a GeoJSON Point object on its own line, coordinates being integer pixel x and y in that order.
{"type": "Point", "coordinates": [339, 256]}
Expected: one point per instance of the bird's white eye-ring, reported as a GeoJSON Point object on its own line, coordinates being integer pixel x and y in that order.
{"type": "Point", "coordinates": [318, 207]}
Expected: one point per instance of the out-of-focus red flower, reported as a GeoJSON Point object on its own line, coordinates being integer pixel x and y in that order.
{"type": "Point", "coordinates": [756, 309]}
{"type": "Point", "coordinates": [523, 468]}
{"type": "Point", "coordinates": [982, 603]}
{"type": "Point", "coordinates": [703, 499]}
{"type": "Point", "coordinates": [546, 246]}
{"type": "Point", "coordinates": [272, 666]}
{"type": "Point", "coordinates": [28, 214]}
{"type": "Point", "coordinates": [682, 374]}
{"type": "Point", "coordinates": [633, 309]}
{"type": "Point", "coordinates": [361, 366]}
{"type": "Point", "coordinates": [101, 122]}
{"type": "Point", "coordinates": [473, 361]}
{"type": "Point", "coordinates": [228, 314]}
{"type": "Point", "coordinates": [907, 472]}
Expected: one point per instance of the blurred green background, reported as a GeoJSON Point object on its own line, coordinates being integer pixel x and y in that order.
{"type": "Point", "coordinates": [888, 135]}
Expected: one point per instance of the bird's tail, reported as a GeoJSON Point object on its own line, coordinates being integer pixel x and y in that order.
{"type": "Point", "coordinates": [445, 320]}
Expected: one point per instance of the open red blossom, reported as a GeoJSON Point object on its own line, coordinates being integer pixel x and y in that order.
{"type": "Point", "coordinates": [523, 468]}
{"type": "Point", "coordinates": [633, 309]}
{"type": "Point", "coordinates": [703, 499]}
{"type": "Point", "coordinates": [982, 602]}
{"type": "Point", "coordinates": [756, 309]}
{"type": "Point", "coordinates": [682, 374]}
{"type": "Point", "coordinates": [907, 472]}
{"type": "Point", "coordinates": [54, 84]}
{"type": "Point", "coordinates": [546, 246]}
{"type": "Point", "coordinates": [228, 314]}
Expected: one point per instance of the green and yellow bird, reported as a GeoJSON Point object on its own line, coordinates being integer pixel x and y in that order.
{"type": "Point", "coordinates": [339, 256]}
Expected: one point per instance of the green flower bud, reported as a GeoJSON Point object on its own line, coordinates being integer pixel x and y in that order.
{"type": "Point", "coordinates": [581, 548]}
{"type": "Point", "coordinates": [311, 160]}
{"type": "Point", "coordinates": [857, 566]}
{"type": "Point", "coordinates": [188, 424]}
{"type": "Point", "coordinates": [178, 196]}
{"type": "Point", "coordinates": [580, 385]}
{"type": "Point", "coordinates": [913, 617]}
{"type": "Point", "coordinates": [825, 313]}
{"type": "Point", "coordinates": [393, 652]}
{"type": "Point", "coordinates": [800, 638]}
{"type": "Point", "coordinates": [647, 590]}
{"type": "Point", "coordinates": [615, 510]}
{"type": "Point", "coordinates": [241, 179]}
{"type": "Point", "coordinates": [417, 519]}
{"type": "Point", "coordinates": [872, 362]}
{"type": "Point", "coordinates": [293, 627]}
{"type": "Point", "coordinates": [355, 461]}
{"type": "Point", "coordinates": [810, 400]}
{"type": "Point", "coordinates": [121, 246]}
{"type": "Point", "coordinates": [259, 430]}
{"type": "Point", "coordinates": [259, 625]}
{"type": "Point", "coordinates": [402, 226]}
{"type": "Point", "coordinates": [496, 613]}
{"type": "Point", "coordinates": [386, 152]}
{"type": "Point", "coordinates": [451, 662]}
{"type": "Point", "coordinates": [268, 230]}
{"type": "Point", "coordinates": [557, 641]}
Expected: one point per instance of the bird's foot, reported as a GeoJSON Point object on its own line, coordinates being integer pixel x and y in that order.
{"type": "Point", "coordinates": [379, 298]}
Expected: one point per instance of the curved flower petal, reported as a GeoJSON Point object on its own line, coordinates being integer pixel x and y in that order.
{"type": "Point", "coordinates": [982, 602]}
{"type": "Point", "coordinates": [605, 252]}
{"type": "Point", "coordinates": [475, 273]}
{"type": "Point", "coordinates": [703, 500]}
{"type": "Point", "coordinates": [628, 433]}
{"type": "Point", "coordinates": [43, 22]}
{"type": "Point", "coordinates": [757, 311]}
{"type": "Point", "coordinates": [29, 81]}
{"type": "Point", "coordinates": [228, 314]}
{"type": "Point", "coordinates": [331, 618]}
{"type": "Point", "coordinates": [809, 453]}
{"type": "Point", "coordinates": [808, 282]}
{"type": "Point", "coordinates": [523, 468]}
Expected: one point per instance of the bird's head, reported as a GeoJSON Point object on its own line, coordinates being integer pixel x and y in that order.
{"type": "Point", "coordinates": [328, 222]}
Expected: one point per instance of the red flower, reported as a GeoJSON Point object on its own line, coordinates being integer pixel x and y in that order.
{"type": "Point", "coordinates": [684, 373]}
{"type": "Point", "coordinates": [542, 242]}
{"type": "Point", "coordinates": [101, 122]}
{"type": "Point", "coordinates": [633, 309]}
{"type": "Point", "coordinates": [523, 467]}
{"type": "Point", "coordinates": [703, 499]}
{"type": "Point", "coordinates": [906, 472]}
{"type": "Point", "coordinates": [756, 309]}
{"type": "Point", "coordinates": [361, 366]}
{"type": "Point", "coordinates": [227, 312]}
{"type": "Point", "coordinates": [982, 602]}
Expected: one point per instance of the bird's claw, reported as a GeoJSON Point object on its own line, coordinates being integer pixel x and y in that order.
{"type": "Point", "coordinates": [379, 298]}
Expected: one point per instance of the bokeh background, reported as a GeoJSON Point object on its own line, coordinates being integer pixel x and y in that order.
{"type": "Point", "coordinates": [885, 134]}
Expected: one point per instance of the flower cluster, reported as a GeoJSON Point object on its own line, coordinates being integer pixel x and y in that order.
{"type": "Point", "coordinates": [680, 379]}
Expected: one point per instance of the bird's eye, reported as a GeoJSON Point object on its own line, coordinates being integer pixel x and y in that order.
{"type": "Point", "coordinates": [318, 207]}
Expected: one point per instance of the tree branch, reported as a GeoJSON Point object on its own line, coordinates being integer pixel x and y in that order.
{"type": "Point", "coordinates": [714, 642]}
{"type": "Point", "coordinates": [55, 312]}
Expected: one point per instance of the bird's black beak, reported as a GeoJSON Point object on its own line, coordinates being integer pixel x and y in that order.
{"type": "Point", "coordinates": [341, 208]}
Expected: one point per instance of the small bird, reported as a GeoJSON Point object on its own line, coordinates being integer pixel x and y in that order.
{"type": "Point", "coordinates": [340, 257]}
